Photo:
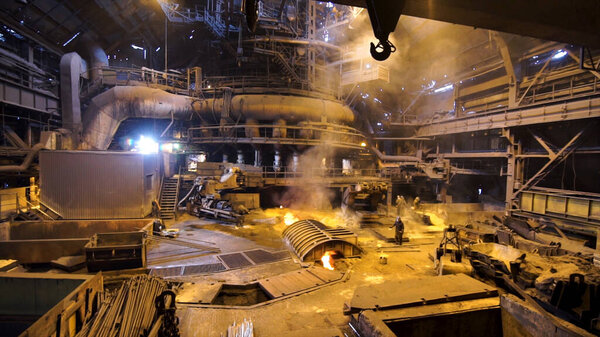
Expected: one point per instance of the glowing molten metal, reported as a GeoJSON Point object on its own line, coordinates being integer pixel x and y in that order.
{"type": "Point", "coordinates": [327, 260]}
{"type": "Point", "coordinates": [289, 218]}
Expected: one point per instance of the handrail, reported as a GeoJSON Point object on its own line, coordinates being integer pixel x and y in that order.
{"type": "Point", "coordinates": [51, 209]}
{"type": "Point", "coordinates": [285, 172]}
{"type": "Point", "coordinates": [31, 206]}
{"type": "Point", "coordinates": [162, 181]}
{"type": "Point", "coordinates": [177, 192]}
{"type": "Point", "coordinates": [309, 134]}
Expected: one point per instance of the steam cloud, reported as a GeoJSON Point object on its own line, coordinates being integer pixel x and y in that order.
{"type": "Point", "coordinates": [310, 193]}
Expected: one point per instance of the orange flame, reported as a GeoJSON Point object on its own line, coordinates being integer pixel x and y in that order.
{"type": "Point", "coordinates": [289, 218]}
{"type": "Point", "coordinates": [327, 260]}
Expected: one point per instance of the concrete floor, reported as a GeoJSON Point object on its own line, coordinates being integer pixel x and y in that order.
{"type": "Point", "coordinates": [316, 313]}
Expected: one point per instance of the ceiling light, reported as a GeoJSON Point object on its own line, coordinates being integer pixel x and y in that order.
{"type": "Point", "coordinates": [71, 39]}
{"type": "Point", "coordinates": [559, 54]}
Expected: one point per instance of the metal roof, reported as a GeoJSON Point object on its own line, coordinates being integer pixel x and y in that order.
{"type": "Point", "coordinates": [309, 239]}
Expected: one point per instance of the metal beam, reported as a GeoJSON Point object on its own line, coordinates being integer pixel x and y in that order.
{"type": "Point", "coordinates": [468, 155]}
{"type": "Point", "coordinates": [560, 155]}
{"type": "Point", "coordinates": [574, 22]}
{"type": "Point", "coordinates": [579, 61]}
{"type": "Point", "coordinates": [496, 82]}
{"type": "Point", "coordinates": [535, 79]}
{"type": "Point", "coordinates": [551, 153]}
{"type": "Point", "coordinates": [558, 111]}
{"type": "Point", "coordinates": [32, 35]}
{"type": "Point", "coordinates": [510, 69]}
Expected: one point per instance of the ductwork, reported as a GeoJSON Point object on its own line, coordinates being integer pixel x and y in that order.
{"type": "Point", "coordinates": [70, 70]}
{"type": "Point", "coordinates": [26, 162]}
{"type": "Point", "coordinates": [107, 110]}
{"type": "Point", "coordinates": [385, 157]}
{"type": "Point", "coordinates": [97, 60]}
{"type": "Point", "coordinates": [275, 107]}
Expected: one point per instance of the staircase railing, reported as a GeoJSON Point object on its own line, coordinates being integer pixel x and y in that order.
{"type": "Point", "coordinates": [177, 191]}
{"type": "Point", "coordinates": [58, 215]}
{"type": "Point", "coordinates": [160, 189]}
{"type": "Point", "coordinates": [31, 206]}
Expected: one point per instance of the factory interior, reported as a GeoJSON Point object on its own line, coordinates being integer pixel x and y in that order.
{"type": "Point", "coordinates": [238, 168]}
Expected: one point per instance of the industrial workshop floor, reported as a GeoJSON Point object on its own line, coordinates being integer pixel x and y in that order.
{"type": "Point", "coordinates": [314, 313]}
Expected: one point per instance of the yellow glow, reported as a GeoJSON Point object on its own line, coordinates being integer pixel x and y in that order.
{"type": "Point", "coordinates": [435, 219]}
{"type": "Point", "coordinates": [363, 144]}
{"type": "Point", "coordinates": [289, 218]}
{"type": "Point", "coordinates": [328, 260]}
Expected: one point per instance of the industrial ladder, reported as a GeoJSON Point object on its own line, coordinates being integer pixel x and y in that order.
{"type": "Point", "coordinates": [168, 198]}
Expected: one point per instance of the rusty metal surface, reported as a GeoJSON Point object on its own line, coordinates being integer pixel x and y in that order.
{"type": "Point", "coordinates": [309, 239]}
{"type": "Point", "coordinates": [166, 272]}
{"type": "Point", "coordinates": [423, 290]}
{"type": "Point", "coordinates": [258, 256]}
{"type": "Point", "coordinates": [41, 251]}
{"type": "Point", "coordinates": [98, 185]}
{"type": "Point", "coordinates": [235, 260]}
{"type": "Point", "coordinates": [204, 268]}
{"type": "Point", "coordinates": [298, 281]}
{"type": "Point", "coordinates": [63, 229]}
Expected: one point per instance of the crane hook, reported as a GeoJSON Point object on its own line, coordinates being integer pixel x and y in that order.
{"type": "Point", "coordinates": [386, 47]}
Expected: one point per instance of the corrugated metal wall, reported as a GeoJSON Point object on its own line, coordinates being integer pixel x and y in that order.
{"type": "Point", "coordinates": [98, 185]}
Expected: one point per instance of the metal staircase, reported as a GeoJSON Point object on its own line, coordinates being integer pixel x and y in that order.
{"type": "Point", "coordinates": [281, 61]}
{"type": "Point", "coordinates": [168, 198]}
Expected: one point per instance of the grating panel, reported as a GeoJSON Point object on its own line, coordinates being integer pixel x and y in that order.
{"type": "Point", "coordinates": [235, 260]}
{"type": "Point", "coordinates": [282, 255]}
{"type": "Point", "coordinates": [167, 272]}
{"type": "Point", "coordinates": [203, 268]}
{"type": "Point", "coordinates": [259, 256]}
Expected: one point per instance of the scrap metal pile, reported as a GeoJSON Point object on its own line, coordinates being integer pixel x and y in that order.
{"type": "Point", "coordinates": [555, 274]}
{"type": "Point", "coordinates": [138, 308]}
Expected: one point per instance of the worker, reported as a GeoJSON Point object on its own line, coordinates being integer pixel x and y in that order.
{"type": "Point", "coordinates": [400, 202]}
{"type": "Point", "coordinates": [157, 226]}
{"type": "Point", "coordinates": [417, 203]}
{"type": "Point", "coordinates": [155, 209]}
{"type": "Point", "coordinates": [399, 230]}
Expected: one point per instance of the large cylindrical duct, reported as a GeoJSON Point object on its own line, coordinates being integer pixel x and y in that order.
{"type": "Point", "coordinates": [275, 107]}
{"type": "Point", "coordinates": [290, 108]}
{"type": "Point", "coordinates": [109, 109]}
{"type": "Point", "coordinates": [70, 71]}
{"type": "Point", "coordinates": [280, 132]}
{"type": "Point", "coordinates": [252, 130]}
{"type": "Point", "coordinates": [97, 59]}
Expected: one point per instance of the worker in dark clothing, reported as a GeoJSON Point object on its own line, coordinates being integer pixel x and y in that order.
{"type": "Point", "coordinates": [399, 230]}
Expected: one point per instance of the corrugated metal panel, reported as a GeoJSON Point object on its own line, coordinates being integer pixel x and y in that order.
{"type": "Point", "coordinates": [309, 239]}
{"type": "Point", "coordinates": [96, 185]}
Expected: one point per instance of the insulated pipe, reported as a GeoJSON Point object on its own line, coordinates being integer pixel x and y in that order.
{"type": "Point", "coordinates": [95, 57]}
{"type": "Point", "coordinates": [26, 162]}
{"type": "Point", "coordinates": [274, 107]}
{"type": "Point", "coordinates": [107, 110]}
{"type": "Point", "coordinates": [70, 70]}
{"type": "Point", "coordinates": [385, 157]}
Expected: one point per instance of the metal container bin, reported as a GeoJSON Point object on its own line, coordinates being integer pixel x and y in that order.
{"type": "Point", "coordinates": [110, 251]}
